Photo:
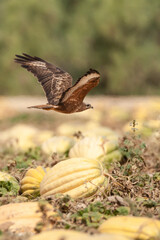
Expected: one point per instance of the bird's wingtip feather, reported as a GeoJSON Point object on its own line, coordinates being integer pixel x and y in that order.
{"type": "Point", "coordinates": [92, 71]}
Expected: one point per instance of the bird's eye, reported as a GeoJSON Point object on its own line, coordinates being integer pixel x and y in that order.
{"type": "Point", "coordinates": [89, 106]}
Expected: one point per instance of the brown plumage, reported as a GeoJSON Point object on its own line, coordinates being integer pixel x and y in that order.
{"type": "Point", "coordinates": [57, 84]}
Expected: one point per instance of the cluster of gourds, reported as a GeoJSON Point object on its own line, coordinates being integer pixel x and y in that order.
{"type": "Point", "coordinates": [24, 217]}
{"type": "Point", "coordinates": [22, 137]}
{"type": "Point", "coordinates": [82, 172]}
{"type": "Point", "coordinates": [77, 177]}
{"type": "Point", "coordinates": [80, 175]}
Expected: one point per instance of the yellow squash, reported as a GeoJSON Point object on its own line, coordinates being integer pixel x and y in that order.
{"type": "Point", "coordinates": [58, 144]}
{"type": "Point", "coordinates": [134, 227]}
{"type": "Point", "coordinates": [22, 217]}
{"type": "Point", "coordinates": [77, 177]}
{"type": "Point", "coordinates": [59, 234]}
{"type": "Point", "coordinates": [30, 184]}
{"type": "Point", "coordinates": [96, 148]}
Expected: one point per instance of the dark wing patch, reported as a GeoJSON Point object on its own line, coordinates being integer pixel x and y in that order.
{"type": "Point", "coordinates": [82, 87]}
{"type": "Point", "coordinates": [54, 80]}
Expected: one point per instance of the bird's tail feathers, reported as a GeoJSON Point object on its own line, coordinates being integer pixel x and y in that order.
{"type": "Point", "coordinates": [44, 107]}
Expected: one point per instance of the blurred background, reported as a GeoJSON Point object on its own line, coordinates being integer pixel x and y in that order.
{"type": "Point", "coordinates": [121, 39]}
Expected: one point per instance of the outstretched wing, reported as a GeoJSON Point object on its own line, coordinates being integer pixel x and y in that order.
{"type": "Point", "coordinates": [78, 92]}
{"type": "Point", "coordinates": [54, 80]}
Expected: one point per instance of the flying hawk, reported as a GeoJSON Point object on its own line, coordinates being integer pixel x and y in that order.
{"type": "Point", "coordinates": [57, 84]}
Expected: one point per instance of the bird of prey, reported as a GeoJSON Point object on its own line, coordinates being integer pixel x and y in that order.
{"type": "Point", "coordinates": [57, 84]}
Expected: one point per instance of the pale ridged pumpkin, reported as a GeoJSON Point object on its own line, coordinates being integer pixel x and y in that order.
{"type": "Point", "coordinates": [8, 184]}
{"type": "Point", "coordinates": [58, 144]}
{"type": "Point", "coordinates": [30, 184]}
{"type": "Point", "coordinates": [23, 217]}
{"type": "Point", "coordinates": [59, 234]}
{"type": "Point", "coordinates": [133, 227]}
{"type": "Point", "coordinates": [77, 177]}
{"type": "Point", "coordinates": [96, 148]}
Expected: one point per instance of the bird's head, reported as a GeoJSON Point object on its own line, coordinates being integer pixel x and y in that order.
{"type": "Point", "coordinates": [83, 107]}
{"type": "Point", "coordinates": [89, 106]}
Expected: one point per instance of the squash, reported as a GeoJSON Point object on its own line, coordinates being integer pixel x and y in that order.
{"type": "Point", "coordinates": [22, 137]}
{"type": "Point", "coordinates": [96, 148]}
{"type": "Point", "coordinates": [77, 177]}
{"type": "Point", "coordinates": [58, 144]}
{"type": "Point", "coordinates": [133, 227]}
{"type": "Point", "coordinates": [23, 217]}
{"type": "Point", "coordinates": [8, 184]}
{"type": "Point", "coordinates": [19, 136]}
{"type": "Point", "coordinates": [59, 234]}
{"type": "Point", "coordinates": [30, 184]}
